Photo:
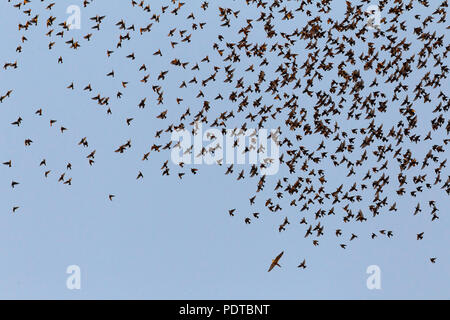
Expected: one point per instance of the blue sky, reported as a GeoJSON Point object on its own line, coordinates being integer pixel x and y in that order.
{"type": "Point", "coordinates": [162, 238]}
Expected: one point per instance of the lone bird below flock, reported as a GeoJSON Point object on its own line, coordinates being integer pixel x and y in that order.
{"type": "Point", "coordinates": [275, 261]}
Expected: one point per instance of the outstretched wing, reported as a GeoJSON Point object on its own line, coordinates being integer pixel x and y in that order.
{"type": "Point", "coordinates": [275, 261]}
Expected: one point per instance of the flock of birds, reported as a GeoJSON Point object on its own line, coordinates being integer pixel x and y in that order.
{"type": "Point", "coordinates": [344, 98]}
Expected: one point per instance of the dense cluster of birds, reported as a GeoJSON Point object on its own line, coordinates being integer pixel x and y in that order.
{"type": "Point", "coordinates": [346, 98]}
